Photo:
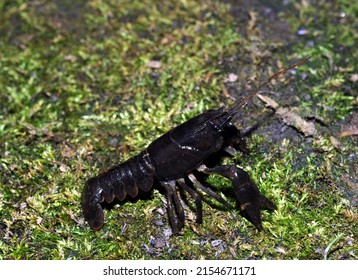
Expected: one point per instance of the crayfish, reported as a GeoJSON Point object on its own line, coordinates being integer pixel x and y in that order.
{"type": "Point", "coordinates": [171, 161]}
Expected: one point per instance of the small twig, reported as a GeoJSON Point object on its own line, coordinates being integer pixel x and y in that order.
{"type": "Point", "coordinates": [290, 118]}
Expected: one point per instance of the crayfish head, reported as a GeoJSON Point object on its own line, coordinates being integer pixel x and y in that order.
{"type": "Point", "coordinates": [91, 204]}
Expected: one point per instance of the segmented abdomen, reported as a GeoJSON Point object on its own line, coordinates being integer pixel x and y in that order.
{"type": "Point", "coordinates": [127, 178]}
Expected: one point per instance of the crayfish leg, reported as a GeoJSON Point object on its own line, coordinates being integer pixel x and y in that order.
{"type": "Point", "coordinates": [197, 199]}
{"type": "Point", "coordinates": [208, 191]}
{"type": "Point", "coordinates": [175, 209]}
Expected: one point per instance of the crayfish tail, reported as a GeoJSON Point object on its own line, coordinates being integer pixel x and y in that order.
{"type": "Point", "coordinates": [91, 207]}
{"type": "Point", "coordinates": [125, 179]}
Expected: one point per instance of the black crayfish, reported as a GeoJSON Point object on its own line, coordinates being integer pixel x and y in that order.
{"type": "Point", "coordinates": [171, 161]}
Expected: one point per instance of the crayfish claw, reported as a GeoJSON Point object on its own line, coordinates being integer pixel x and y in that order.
{"type": "Point", "coordinates": [249, 203]}
{"type": "Point", "coordinates": [249, 198]}
{"type": "Point", "coordinates": [252, 211]}
{"type": "Point", "coordinates": [267, 204]}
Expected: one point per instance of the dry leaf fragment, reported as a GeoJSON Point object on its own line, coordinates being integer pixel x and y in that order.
{"type": "Point", "coordinates": [280, 250]}
{"type": "Point", "coordinates": [70, 58]}
{"type": "Point", "coordinates": [231, 78]}
{"type": "Point", "coordinates": [64, 168]}
{"type": "Point", "coordinates": [351, 129]}
{"type": "Point", "coordinates": [67, 151]}
{"type": "Point", "coordinates": [290, 118]}
{"type": "Point", "coordinates": [154, 64]}
{"type": "Point", "coordinates": [354, 78]}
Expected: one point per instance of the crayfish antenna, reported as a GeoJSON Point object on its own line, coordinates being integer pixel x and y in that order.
{"type": "Point", "coordinates": [237, 106]}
